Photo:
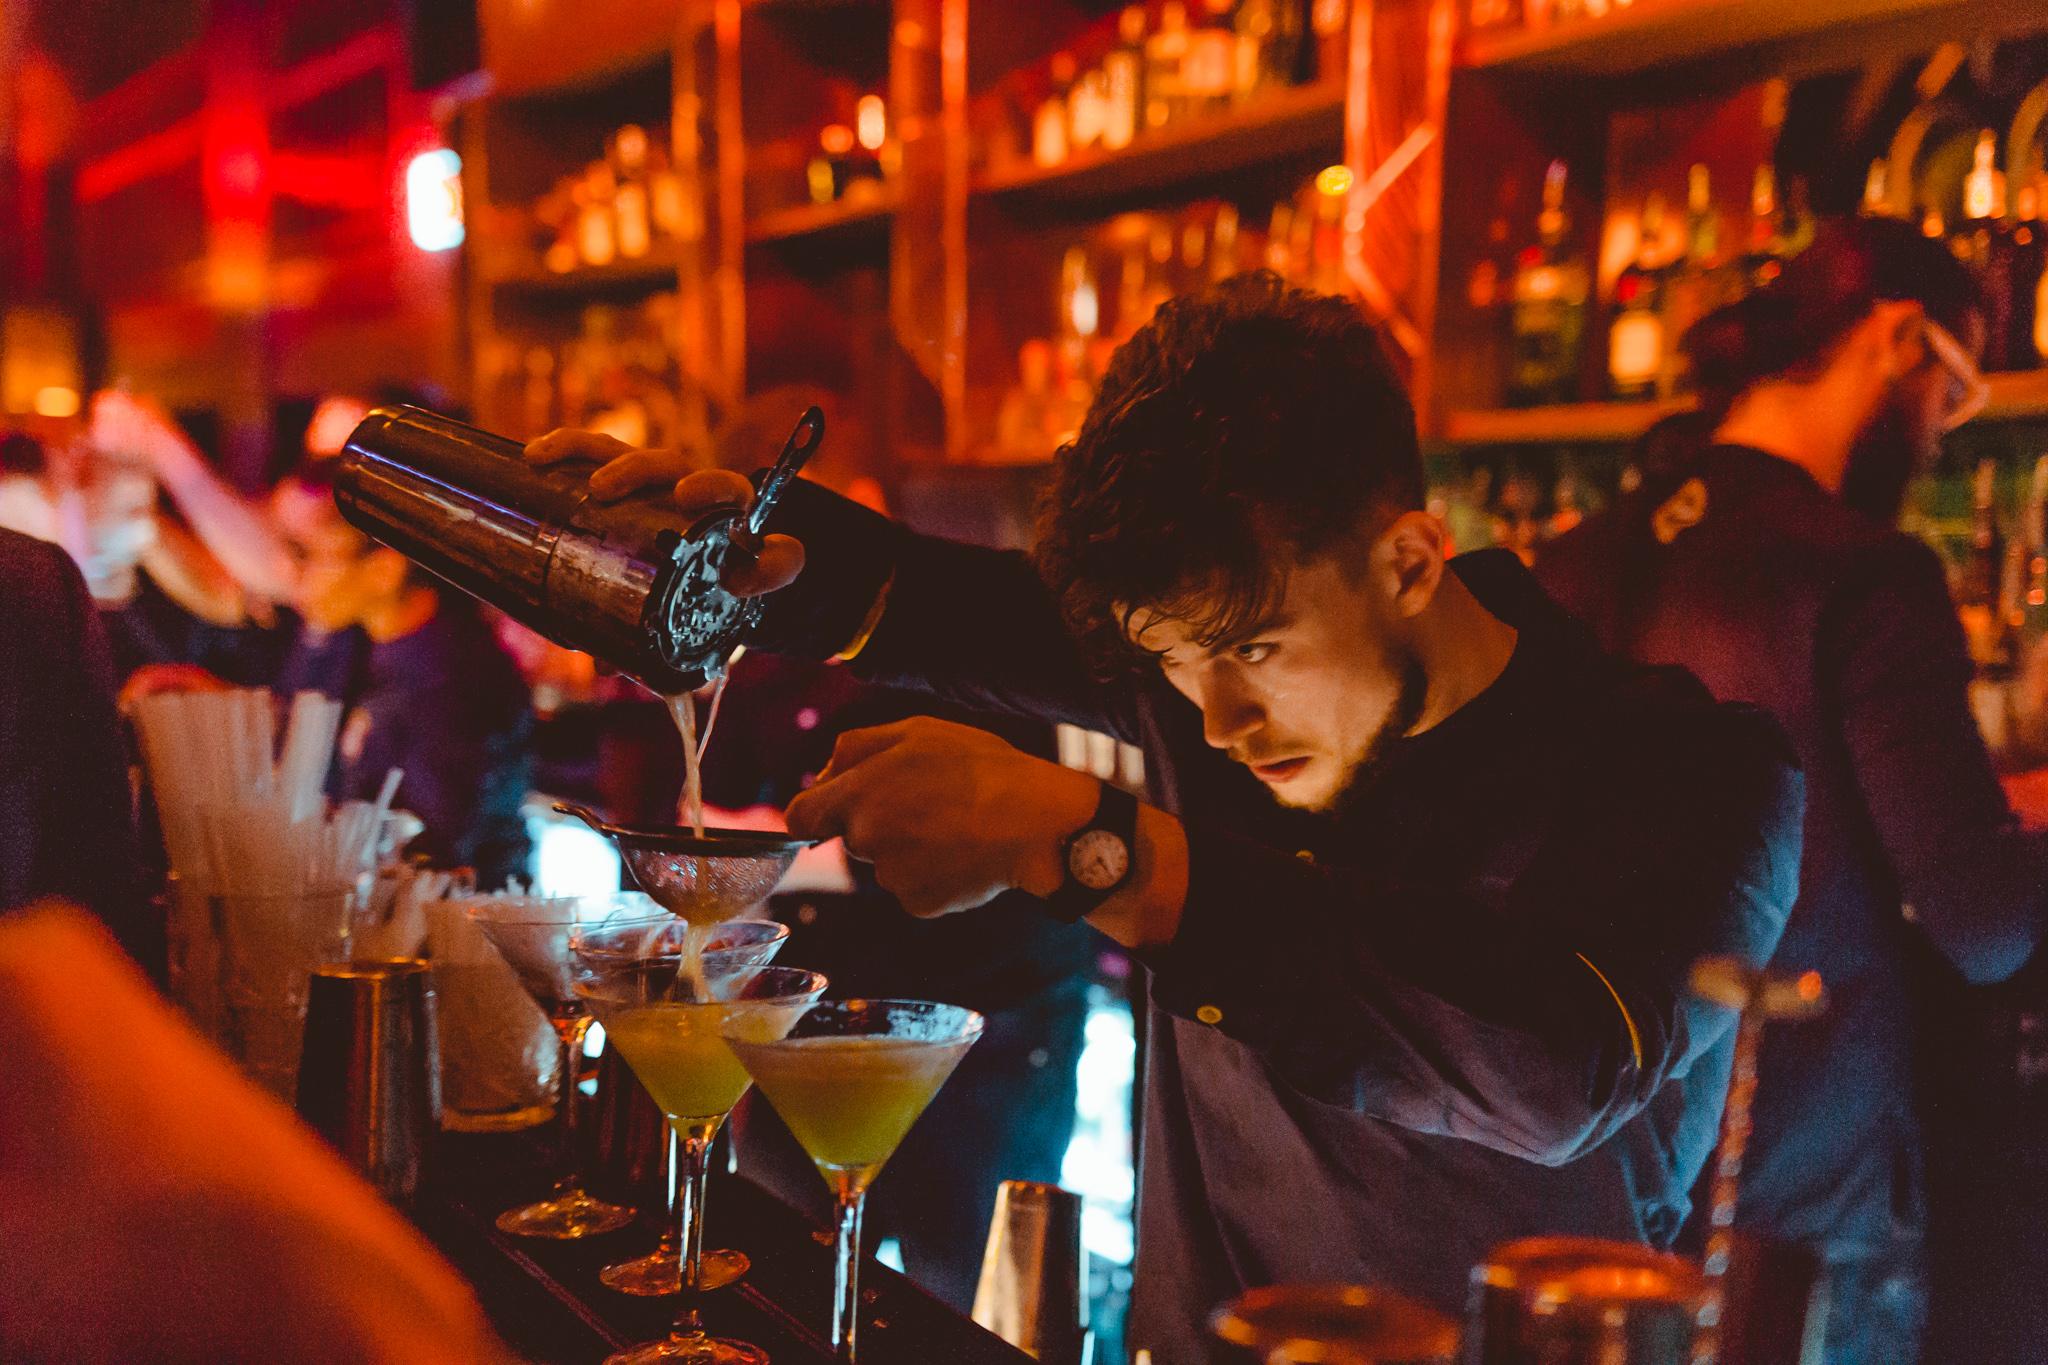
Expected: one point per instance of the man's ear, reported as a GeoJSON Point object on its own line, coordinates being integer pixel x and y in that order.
{"type": "Point", "coordinates": [1409, 558]}
{"type": "Point", "coordinates": [1897, 329]}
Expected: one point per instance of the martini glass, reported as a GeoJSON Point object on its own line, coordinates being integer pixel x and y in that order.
{"type": "Point", "coordinates": [849, 1079]}
{"type": "Point", "coordinates": [532, 934]}
{"type": "Point", "coordinates": [672, 1039]}
{"type": "Point", "coordinates": [734, 945]}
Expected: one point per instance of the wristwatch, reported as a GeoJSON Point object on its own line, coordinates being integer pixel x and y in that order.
{"type": "Point", "coordinates": [1097, 857]}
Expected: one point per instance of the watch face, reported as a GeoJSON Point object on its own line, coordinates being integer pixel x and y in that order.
{"type": "Point", "coordinates": [1098, 859]}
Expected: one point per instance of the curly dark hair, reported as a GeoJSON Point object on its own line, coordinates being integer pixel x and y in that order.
{"type": "Point", "coordinates": [1240, 421]}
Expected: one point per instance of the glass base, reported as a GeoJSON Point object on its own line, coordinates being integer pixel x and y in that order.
{"type": "Point", "coordinates": [565, 1218]}
{"type": "Point", "coordinates": [674, 1350]}
{"type": "Point", "coordinates": [659, 1273]}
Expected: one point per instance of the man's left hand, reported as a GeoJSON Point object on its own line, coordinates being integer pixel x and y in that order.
{"type": "Point", "coordinates": [949, 815]}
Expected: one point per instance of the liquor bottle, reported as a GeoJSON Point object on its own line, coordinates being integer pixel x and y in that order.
{"type": "Point", "coordinates": [1123, 78]}
{"type": "Point", "coordinates": [2034, 603]}
{"type": "Point", "coordinates": [1210, 73]}
{"type": "Point", "coordinates": [1548, 305]}
{"type": "Point", "coordinates": [1329, 23]}
{"type": "Point", "coordinates": [1049, 125]}
{"type": "Point", "coordinates": [1696, 285]}
{"type": "Point", "coordinates": [1977, 594]}
{"type": "Point", "coordinates": [1166, 56]}
{"type": "Point", "coordinates": [1876, 185]}
{"type": "Point", "coordinates": [1980, 241]}
{"type": "Point", "coordinates": [1272, 31]}
{"type": "Point", "coordinates": [1087, 108]}
{"type": "Point", "coordinates": [631, 205]}
{"type": "Point", "coordinates": [1223, 243]}
{"type": "Point", "coordinates": [1024, 432]}
{"type": "Point", "coordinates": [1761, 257]}
{"type": "Point", "coordinates": [2026, 278]}
{"type": "Point", "coordinates": [597, 241]}
{"type": "Point", "coordinates": [1326, 246]}
{"type": "Point", "coordinates": [1635, 341]}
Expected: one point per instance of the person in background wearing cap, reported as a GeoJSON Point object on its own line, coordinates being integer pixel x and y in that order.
{"type": "Point", "coordinates": [1770, 565]}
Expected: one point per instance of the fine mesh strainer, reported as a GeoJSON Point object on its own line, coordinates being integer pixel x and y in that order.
{"type": "Point", "coordinates": [717, 876]}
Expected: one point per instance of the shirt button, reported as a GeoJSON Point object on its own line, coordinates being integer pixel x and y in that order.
{"type": "Point", "coordinates": [1209, 1014]}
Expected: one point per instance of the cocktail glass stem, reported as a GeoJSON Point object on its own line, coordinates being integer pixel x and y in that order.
{"type": "Point", "coordinates": [569, 1032]}
{"type": "Point", "coordinates": [850, 1197]}
{"type": "Point", "coordinates": [693, 1169]}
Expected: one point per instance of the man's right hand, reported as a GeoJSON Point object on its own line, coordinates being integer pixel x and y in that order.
{"type": "Point", "coordinates": [624, 470]}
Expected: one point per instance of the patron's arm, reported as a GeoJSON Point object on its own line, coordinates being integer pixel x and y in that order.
{"type": "Point", "coordinates": [1893, 660]}
{"type": "Point", "coordinates": [1536, 1028]}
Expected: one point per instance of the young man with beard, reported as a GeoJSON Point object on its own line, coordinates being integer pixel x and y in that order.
{"type": "Point", "coordinates": [1770, 566]}
{"type": "Point", "coordinates": [1425, 870]}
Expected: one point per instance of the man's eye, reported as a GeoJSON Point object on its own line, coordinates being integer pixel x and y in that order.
{"type": "Point", "coordinates": [1255, 653]}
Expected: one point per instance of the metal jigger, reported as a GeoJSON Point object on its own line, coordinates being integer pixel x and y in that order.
{"type": "Point", "coordinates": [1331, 1324]}
{"type": "Point", "coordinates": [1033, 1291]}
{"type": "Point", "coordinates": [1766, 1302]}
{"type": "Point", "coordinates": [370, 1076]}
{"type": "Point", "coordinates": [1582, 1301]}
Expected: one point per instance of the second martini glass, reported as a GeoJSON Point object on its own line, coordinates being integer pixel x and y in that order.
{"type": "Point", "coordinates": [532, 934]}
{"type": "Point", "coordinates": [849, 1079]}
{"type": "Point", "coordinates": [734, 945]}
{"type": "Point", "coordinates": [672, 1040]}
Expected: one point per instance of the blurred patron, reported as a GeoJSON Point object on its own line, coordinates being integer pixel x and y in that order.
{"type": "Point", "coordinates": [65, 826]}
{"type": "Point", "coordinates": [429, 688]}
{"type": "Point", "coordinates": [1769, 563]}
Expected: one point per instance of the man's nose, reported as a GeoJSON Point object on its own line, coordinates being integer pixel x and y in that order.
{"type": "Point", "coordinates": [1229, 716]}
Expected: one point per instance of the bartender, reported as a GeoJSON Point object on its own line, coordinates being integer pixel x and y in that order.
{"type": "Point", "coordinates": [1770, 565]}
{"type": "Point", "coordinates": [1427, 870]}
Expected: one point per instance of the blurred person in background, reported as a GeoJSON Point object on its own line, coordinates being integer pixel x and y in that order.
{"type": "Point", "coordinates": [1768, 563]}
{"type": "Point", "coordinates": [197, 583]}
{"type": "Point", "coordinates": [65, 827]}
{"type": "Point", "coordinates": [429, 689]}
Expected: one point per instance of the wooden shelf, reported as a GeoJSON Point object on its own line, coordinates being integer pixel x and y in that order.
{"type": "Point", "coordinates": [656, 270]}
{"type": "Point", "coordinates": [816, 222]}
{"type": "Point", "coordinates": [2016, 396]}
{"type": "Point", "coordinates": [1285, 124]}
{"type": "Point", "coordinates": [1654, 33]}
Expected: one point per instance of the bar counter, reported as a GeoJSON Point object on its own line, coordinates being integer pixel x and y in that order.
{"type": "Point", "coordinates": [544, 1297]}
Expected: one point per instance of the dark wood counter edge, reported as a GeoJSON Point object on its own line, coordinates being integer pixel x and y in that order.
{"type": "Point", "coordinates": [568, 1321]}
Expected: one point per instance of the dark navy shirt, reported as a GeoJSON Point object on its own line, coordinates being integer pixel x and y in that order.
{"type": "Point", "coordinates": [1451, 1013]}
{"type": "Point", "coordinates": [446, 704]}
{"type": "Point", "coordinates": [1744, 570]}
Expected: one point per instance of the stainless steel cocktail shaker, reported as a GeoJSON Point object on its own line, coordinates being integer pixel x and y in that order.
{"type": "Point", "coordinates": [628, 581]}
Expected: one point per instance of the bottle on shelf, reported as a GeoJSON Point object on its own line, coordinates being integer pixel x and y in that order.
{"type": "Point", "coordinates": [1984, 569]}
{"type": "Point", "coordinates": [597, 242]}
{"type": "Point", "coordinates": [1025, 422]}
{"type": "Point", "coordinates": [1548, 306]}
{"type": "Point", "coordinates": [632, 205]}
{"type": "Point", "coordinates": [1087, 110]}
{"type": "Point", "coordinates": [1049, 125]}
{"type": "Point", "coordinates": [1329, 23]}
{"type": "Point", "coordinates": [1696, 285]}
{"type": "Point", "coordinates": [1123, 80]}
{"type": "Point", "coordinates": [2034, 601]}
{"type": "Point", "coordinates": [1763, 255]}
{"type": "Point", "coordinates": [1209, 74]}
{"type": "Point", "coordinates": [2026, 281]}
{"type": "Point", "coordinates": [1635, 340]}
{"type": "Point", "coordinates": [1981, 241]}
{"type": "Point", "coordinates": [1223, 243]}
{"type": "Point", "coordinates": [1269, 45]}
{"type": "Point", "coordinates": [1876, 186]}
{"type": "Point", "coordinates": [1166, 57]}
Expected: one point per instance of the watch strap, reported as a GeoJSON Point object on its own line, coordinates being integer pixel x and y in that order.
{"type": "Point", "coordinates": [1117, 813]}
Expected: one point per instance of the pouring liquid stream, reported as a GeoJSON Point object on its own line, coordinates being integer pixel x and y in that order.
{"type": "Point", "coordinates": [690, 810]}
